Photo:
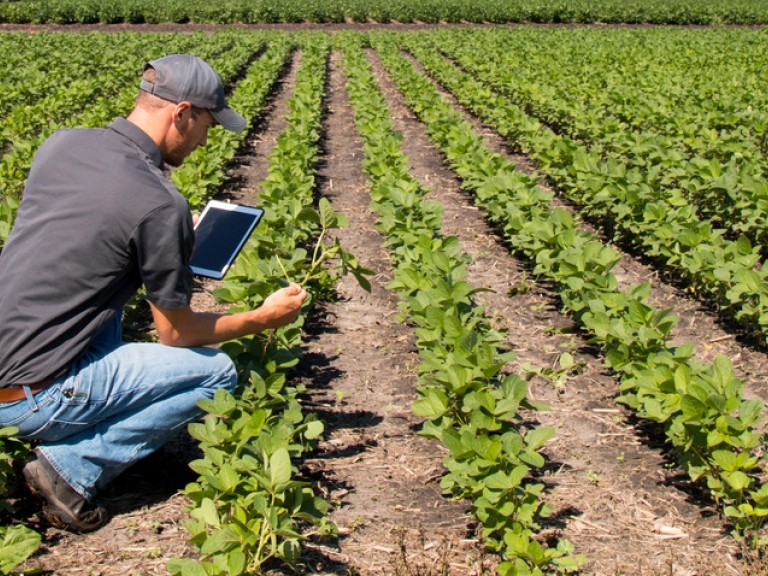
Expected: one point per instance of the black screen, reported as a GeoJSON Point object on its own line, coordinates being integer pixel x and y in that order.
{"type": "Point", "coordinates": [219, 236]}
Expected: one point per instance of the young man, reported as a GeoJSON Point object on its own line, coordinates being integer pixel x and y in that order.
{"type": "Point", "coordinates": [97, 221]}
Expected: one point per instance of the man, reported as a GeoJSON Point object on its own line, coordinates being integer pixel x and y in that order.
{"type": "Point", "coordinates": [98, 220]}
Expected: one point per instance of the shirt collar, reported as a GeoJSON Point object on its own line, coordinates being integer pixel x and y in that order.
{"type": "Point", "coordinates": [138, 137]}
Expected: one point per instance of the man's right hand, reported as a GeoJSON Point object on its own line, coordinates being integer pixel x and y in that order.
{"type": "Point", "coordinates": [283, 306]}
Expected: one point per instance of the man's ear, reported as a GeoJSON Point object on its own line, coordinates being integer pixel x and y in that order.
{"type": "Point", "coordinates": [181, 115]}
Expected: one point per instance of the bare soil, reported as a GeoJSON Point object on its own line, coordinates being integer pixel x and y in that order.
{"type": "Point", "coordinates": [608, 478]}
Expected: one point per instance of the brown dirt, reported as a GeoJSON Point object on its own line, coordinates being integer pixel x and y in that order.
{"type": "Point", "coordinates": [607, 477]}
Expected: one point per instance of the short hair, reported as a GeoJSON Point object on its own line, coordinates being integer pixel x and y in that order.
{"type": "Point", "coordinates": [145, 99]}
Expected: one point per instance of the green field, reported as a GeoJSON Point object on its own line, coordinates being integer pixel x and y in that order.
{"type": "Point", "coordinates": [384, 11]}
{"type": "Point", "coordinates": [657, 136]}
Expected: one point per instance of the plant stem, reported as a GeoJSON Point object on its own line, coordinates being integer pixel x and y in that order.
{"type": "Point", "coordinates": [285, 272]}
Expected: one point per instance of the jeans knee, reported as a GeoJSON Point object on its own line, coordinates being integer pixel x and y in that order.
{"type": "Point", "coordinates": [218, 371]}
{"type": "Point", "coordinates": [228, 374]}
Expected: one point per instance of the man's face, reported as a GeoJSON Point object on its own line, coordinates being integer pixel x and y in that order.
{"type": "Point", "coordinates": [191, 131]}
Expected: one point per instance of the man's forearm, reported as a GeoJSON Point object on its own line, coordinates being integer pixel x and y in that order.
{"type": "Point", "coordinates": [186, 327]}
{"type": "Point", "coordinates": [204, 328]}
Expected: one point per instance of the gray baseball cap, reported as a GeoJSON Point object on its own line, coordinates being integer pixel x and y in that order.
{"type": "Point", "coordinates": [185, 77]}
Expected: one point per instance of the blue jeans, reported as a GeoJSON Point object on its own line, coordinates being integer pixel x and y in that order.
{"type": "Point", "coordinates": [117, 404]}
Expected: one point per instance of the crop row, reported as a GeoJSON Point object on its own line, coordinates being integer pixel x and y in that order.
{"type": "Point", "coordinates": [711, 428]}
{"type": "Point", "coordinates": [682, 108]}
{"type": "Point", "coordinates": [469, 405]}
{"type": "Point", "coordinates": [680, 83]}
{"type": "Point", "coordinates": [327, 11]}
{"type": "Point", "coordinates": [247, 505]}
{"type": "Point", "coordinates": [645, 218]}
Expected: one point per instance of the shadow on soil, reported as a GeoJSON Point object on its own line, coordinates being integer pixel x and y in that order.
{"type": "Point", "coordinates": [654, 437]}
{"type": "Point", "coordinates": [155, 478]}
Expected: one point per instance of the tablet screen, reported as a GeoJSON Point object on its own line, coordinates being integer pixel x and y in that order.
{"type": "Point", "coordinates": [221, 232]}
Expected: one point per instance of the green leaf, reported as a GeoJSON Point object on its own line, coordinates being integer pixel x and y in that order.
{"type": "Point", "coordinates": [223, 403]}
{"type": "Point", "coordinates": [723, 369]}
{"type": "Point", "coordinates": [289, 550]}
{"type": "Point", "coordinates": [501, 481]}
{"type": "Point", "coordinates": [653, 410]}
{"type": "Point", "coordinates": [220, 541]}
{"type": "Point", "coordinates": [308, 215]}
{"type": "Point", "coordinates": [726, 459]}
{"type": "Point", "coordinates": [17, 543]}
{"type": "Point", "coordinates": [226, 479]}
{"type": "Point", "coordinates": [750, 411]}
{"type": "Point", "coordinates": [760, 495]}
{"type": "Point", "coordinates": [566, 361]}
{"type": "Point", "coordinates": [738, 480]}
{"type": "Point", "coordinates": [280, 468]}
{"type": "Point", "coordinates": [327, 215]}
{"type": "Point", "coordinates": [452, 441]}
{"type": "Point", "coordinates": [314, 429]}
{"type": "Point", "coordinates": [434, 405]}
{"type": "Point", "coordinates": [187, 567]}
{"type": "Point", "coordinates": [236, 562]}
{"type": "Point", "coordinates": [693, 409]}
{"type": "Point", "coordinates": [208, 513]}
{"type": "Point", "coordinates": [8, 431]}
{"type": "Point", "coordinates": [536, 438]}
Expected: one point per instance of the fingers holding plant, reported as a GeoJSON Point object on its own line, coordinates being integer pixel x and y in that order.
{"type": "Point", "coordinates": [284, 305]}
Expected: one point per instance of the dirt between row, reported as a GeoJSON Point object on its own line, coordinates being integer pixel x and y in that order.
{"type": "Point", "coordinates": [608, 480]}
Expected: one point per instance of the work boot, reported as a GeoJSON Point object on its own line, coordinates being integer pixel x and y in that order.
{"type": "Point", "coordinates": [63, 506]}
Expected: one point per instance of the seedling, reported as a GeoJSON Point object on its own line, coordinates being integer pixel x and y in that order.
{"type": "Point", "coordinates": [522, 286]}
{"type": "Point", "coordinates": [567, 367]}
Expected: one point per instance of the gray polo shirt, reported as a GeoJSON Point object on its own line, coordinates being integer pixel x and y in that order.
{"type": "Point", "coordinates": [97, 220]}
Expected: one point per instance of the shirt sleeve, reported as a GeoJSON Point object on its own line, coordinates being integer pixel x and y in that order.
{"type": "Point", "coordinates": [163, 242]}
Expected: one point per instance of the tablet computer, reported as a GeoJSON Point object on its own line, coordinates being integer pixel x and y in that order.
{"type": "Point", "coordinates": [220, 233]}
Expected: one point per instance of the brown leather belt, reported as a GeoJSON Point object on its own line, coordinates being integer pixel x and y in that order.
{"type": "Point", "coordinates": [14, 393]}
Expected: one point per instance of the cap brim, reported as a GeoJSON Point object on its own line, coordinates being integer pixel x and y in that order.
{"type": "Point", "coordinates": [230, 119]}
